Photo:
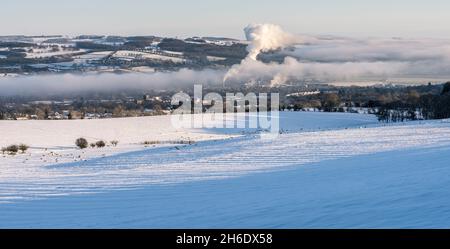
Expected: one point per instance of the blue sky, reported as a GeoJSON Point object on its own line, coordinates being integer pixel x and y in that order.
{"type": "Point", "coordinates": [413, 18]}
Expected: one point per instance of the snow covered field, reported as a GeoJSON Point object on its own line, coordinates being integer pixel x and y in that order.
{"type": "Point", "coordinates": [45, 53]}
{"type": "Point", "coordinates": [324, 170]}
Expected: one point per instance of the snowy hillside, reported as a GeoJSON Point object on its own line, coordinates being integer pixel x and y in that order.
{"type": "Point", "coordinates": [324, 170]}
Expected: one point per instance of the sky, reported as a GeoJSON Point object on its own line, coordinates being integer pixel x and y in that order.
{"type": "Point", "coordinates": [182, 18]}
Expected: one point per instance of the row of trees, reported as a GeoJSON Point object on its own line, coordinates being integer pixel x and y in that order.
{"type": "Point", "coordinates": [14, 149]}
{"type": "Point", "coordinates": [83, 143]}
{"type": "Point", "coordinates": [426, 106]}
{"type": "Point", "coordinates": [391, 104]}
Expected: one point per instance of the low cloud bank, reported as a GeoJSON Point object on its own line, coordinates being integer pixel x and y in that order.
{"type": "Point", "coordinates": [329, 58]}
{"type": "Point", "coordinates": [105, 82]}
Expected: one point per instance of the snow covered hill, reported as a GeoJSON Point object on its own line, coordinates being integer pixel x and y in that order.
{"type": "Point", "coordinates": [325, 170]}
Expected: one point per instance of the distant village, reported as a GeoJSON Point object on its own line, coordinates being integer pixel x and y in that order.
{"type": "Point", "coordinates": [85, 108]}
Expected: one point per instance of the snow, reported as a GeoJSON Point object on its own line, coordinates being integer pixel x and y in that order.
{"type": "Point", "coordinates": [92, 56]}
{"type": "Point", "coordinates": [40, 40]}
{"type": "Point", "coordinates": [131, 55]}
{"type": "Point", "coordinates": [44, 53]}
{"type": "Point", "coordinates": [78, 60]}
{"type": "Point", "coordinates": [143, 69]}
{"type": "Point", "coordinates": [173, 52]}
{"type": "Point", "coordinates": [215, 58]}
{"type": "Point", "coordinates": [62, 133]}
{"type": "Point", "coordinates": [53, 141]}
{"type": "Point", "coordinates": [325, 170]}
{"type": "Point", "coordinates": [9, 75]}
{"type": "Point", "coordinates": [384, 190]}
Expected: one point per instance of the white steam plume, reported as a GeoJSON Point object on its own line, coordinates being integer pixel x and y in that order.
{"type": "Point", "coordinates": [266, 37]}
